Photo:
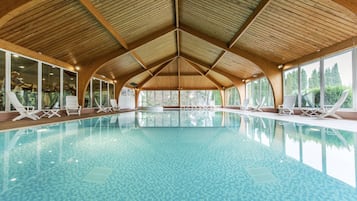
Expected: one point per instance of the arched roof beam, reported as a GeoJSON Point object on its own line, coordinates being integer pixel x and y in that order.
{"type": "Point", "coordinates": [100, 18]}
{"type": "Point", "coordinates": [11, 9]}
{"type": "Point", "coordinates": [124, 79]}
{"type": "Point", "coordinates": [196, 68]}
{"type": "Point", "coordinates": [269, 68]}
{"type": "Point", "coordinates": [92, 66]}
{"type": "Point", "coordinates": [162, 67]}
{"type": "Point", "coordinates": [237, 81]}
{"type": "Point", "coordinates": [258, 10]}
{"type": "Point", "coordinates": [349, 4]}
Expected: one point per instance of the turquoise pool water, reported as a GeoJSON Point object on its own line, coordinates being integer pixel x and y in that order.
{"type": "Point", "coordinates": [178, 155]}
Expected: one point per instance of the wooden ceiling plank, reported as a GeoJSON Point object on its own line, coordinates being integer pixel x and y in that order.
{"type": "Point", "coordinates": [258, 10]}
{"type": "Point", "coordinates": [178, 42]}
{"type": "Point", "coordinates": [177, 14]}
{"type": "Point", "coordinates": [178, 73]}
{"type": "Point", "coordinates": [151, 37]}
{"type": "Point", "coordinates": [91, 9]}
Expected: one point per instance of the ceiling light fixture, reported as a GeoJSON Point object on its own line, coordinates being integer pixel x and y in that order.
{"type": "Point", "coordinates": [281, 66]}
{"type": "Point", "coordinates": [22, 67]}
{"type": "Point", "coordinates": [77, 68]}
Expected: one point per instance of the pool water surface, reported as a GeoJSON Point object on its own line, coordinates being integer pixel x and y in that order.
{"type": "Point", "coordinates": [178, 155]}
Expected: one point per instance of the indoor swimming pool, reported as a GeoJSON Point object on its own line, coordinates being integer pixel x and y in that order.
{"type": "Point", "coordinates": [178, 155]}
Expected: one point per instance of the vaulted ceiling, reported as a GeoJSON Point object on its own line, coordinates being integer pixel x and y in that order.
{"type": "Point", "coordinates": [178, 44]}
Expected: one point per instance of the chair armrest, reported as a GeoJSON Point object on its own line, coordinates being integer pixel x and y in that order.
{"type": "Point", "coordinates": [29, 108]}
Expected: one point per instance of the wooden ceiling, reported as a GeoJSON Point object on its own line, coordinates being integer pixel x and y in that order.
{"type": "Point", "coordinates": [178, 44]}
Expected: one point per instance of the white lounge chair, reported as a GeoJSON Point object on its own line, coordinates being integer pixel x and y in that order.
{"type": "Point", "coordinates": [72, 106]}
{"type": "Point", "coordinates": [114, 105]}
{"type": "Point", "coordinates": [259, 105]}
{"type": "Point", "coordinates": [331, 110]}
{"type": "Point", "coordinates": [102, 108]}
{"type": "Point", "coordinates": [288, 105]}
{"type": "Point", "coordinates": [25, 111]}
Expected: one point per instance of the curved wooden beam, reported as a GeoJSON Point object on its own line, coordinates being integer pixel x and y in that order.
{"type": "Point", "coordinates": [197, 69]}
{"type": "Point", "coordinates": [269, 68]}
{"type": "Point", "coordinates": [91, 67]}
{"type": "Point", "coordinates": [349, 4]}
{"type": "Point", "coordinates": [11, 9]}
{"type": "Point", "coordinates": [162, 66]}
{"type": "Point", "coordinates": [237, 82]}
{"type": "Point", "coordinates": [258, 10]}
{"type": "Point", "coordinates": [100, 18]}
{"type": "Point", "coordinates": [124, 79]}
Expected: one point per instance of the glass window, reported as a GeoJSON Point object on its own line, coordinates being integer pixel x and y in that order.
{"type": "Point", "coordinates": [255, 94]}
{"type": "Point", "coordinates": [200, 98]}
{"type": "Point", "coordinates": [248, 90]}
{"type": "Point", "coordinates": [291, 83]}
{"type": "Point", "coordinates": [50, 86]}
{"type": "Point", "coordinates": [267, 92]}
{"type": "Point", "coordinates": [159, 97]}
{"type": "Point", "coordinates": [232, 97]}
{"type": "Point", "coordinates": [336, 68]}
{"type": "Point", "coordinates": [127, 98]}
{"type": "Point", "coordinates": [259, 89]}
{"type": "Point", "coordinates": [96, 91]}
{"type": "Point", "coordinates": [2, 81]}
{"type": "Point", "coordinates": [111, 91]}
{"type": "Point", "coordinates": [87, 98]}
{"type": "Point", "coordinates": [69, 84]}
{"type": "Point", "coordinates": [105, 94]}
{"type": "Point", "coordinates": [24, 75]}
{"type": "Point", "coordinates": [310, 84]}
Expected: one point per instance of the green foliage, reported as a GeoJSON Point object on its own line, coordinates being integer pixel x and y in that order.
{"type": "Point", "coordinates": [332, 76]}
{"type": "Point", "coordinates": [314, 80]}
{"type": "Point", "coordinates": [332, 94]}
{"type": "Point", "coordinates": [291, 82]}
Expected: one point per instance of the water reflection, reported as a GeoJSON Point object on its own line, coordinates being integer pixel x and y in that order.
{"type": "Point", "coordinates": [28, 153]}
{"type": "Point", "coordinates": [327, 150]}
